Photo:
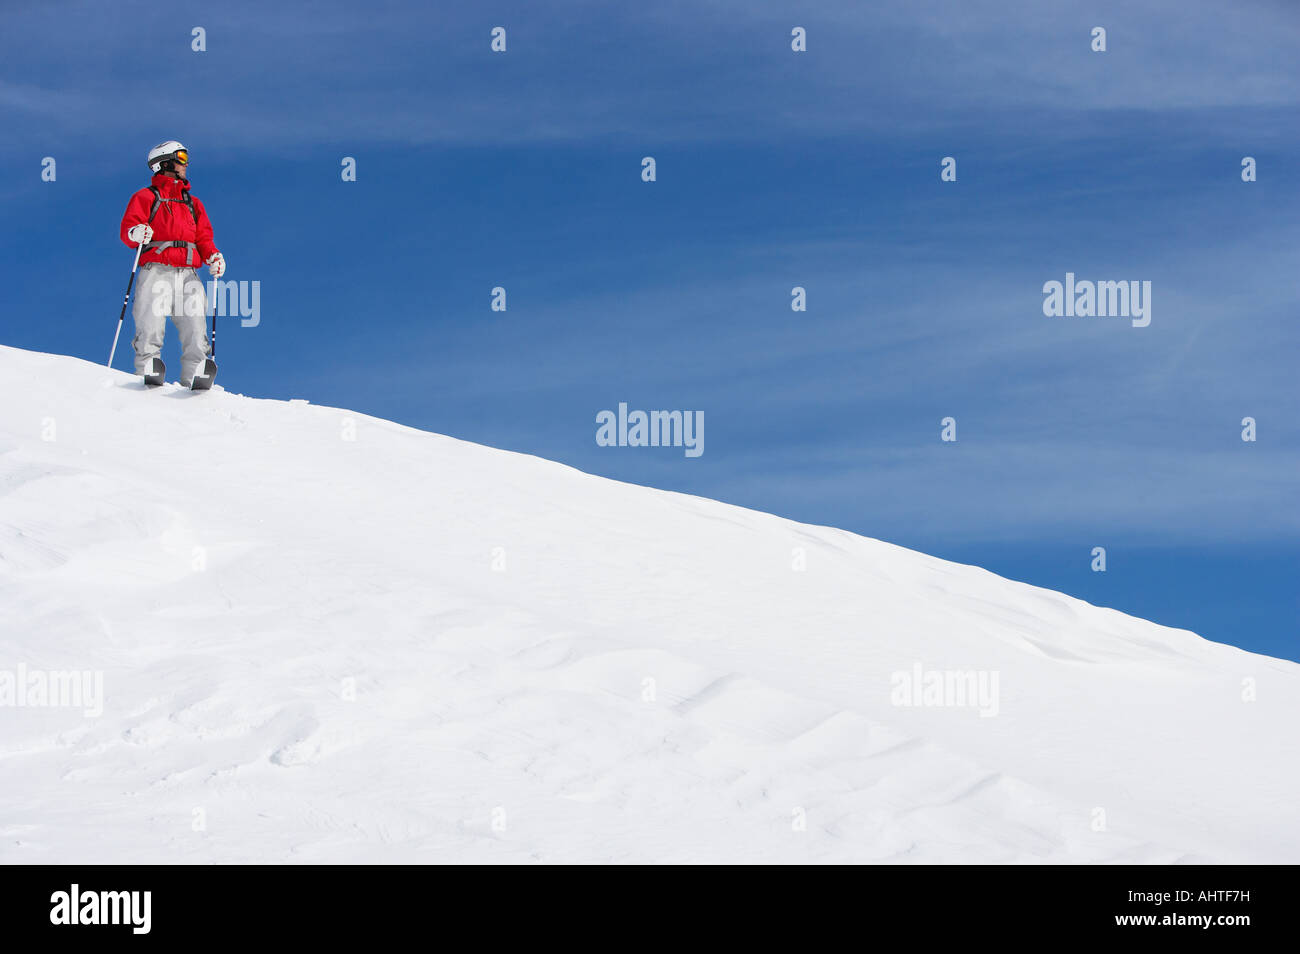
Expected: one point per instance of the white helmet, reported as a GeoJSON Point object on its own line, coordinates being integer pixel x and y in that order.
{"type": "Point", "coordinates": [171, 149]}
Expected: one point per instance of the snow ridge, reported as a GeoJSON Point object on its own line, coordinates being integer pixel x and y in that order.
{"type": "Point", "coordinates": [404, 647]}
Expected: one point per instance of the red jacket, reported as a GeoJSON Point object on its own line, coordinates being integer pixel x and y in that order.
{"type": "Point", "coordinates": [173, 221]}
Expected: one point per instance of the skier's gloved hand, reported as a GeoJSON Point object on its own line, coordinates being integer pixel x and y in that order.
{"type": "Point", "coordinates": [139, 234]}
{"type": "Point", "coordinates": [216, 264]}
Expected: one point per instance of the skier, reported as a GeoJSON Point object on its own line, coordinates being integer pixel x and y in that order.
{"type": "Point", "coordinates": [174, 229]}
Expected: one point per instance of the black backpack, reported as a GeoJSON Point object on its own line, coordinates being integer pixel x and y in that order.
{"type": "Point", "coordinates": [190, 247]}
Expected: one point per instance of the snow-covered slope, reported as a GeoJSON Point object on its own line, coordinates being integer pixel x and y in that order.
{"type": "Point", "coordinates": [403, 647]}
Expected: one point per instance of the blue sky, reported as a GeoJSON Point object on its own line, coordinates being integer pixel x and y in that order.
{"type": "Point", "coordinates": [775, 169]}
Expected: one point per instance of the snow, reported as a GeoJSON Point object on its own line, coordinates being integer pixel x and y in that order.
{"type": "Point", "coordinates": [407, 648]}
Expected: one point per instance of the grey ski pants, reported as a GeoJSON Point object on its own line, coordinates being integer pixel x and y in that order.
{"type": "Point", "coordinates": [163, 291]}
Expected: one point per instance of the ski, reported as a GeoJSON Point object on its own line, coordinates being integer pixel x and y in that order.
{"type": "Point", "coordinates": [156, 373]}
{"type": "Point", "coordinates": [204, 377]}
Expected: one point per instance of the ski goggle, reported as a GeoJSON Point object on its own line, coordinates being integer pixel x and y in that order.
{"type": "Point", "coordinates": [182, 156]}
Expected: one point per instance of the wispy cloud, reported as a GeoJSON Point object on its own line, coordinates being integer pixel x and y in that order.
{"type": "Point", "coordinates": [584, 71]}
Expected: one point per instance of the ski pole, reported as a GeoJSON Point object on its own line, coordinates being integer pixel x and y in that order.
{"type": "Point", "coordinates": [212, 343]}
{"type": "Point", "coordinates": [125, 299]}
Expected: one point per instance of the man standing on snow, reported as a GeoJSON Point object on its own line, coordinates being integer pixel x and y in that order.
{"type": "Point", "coordinates": [174, 229]}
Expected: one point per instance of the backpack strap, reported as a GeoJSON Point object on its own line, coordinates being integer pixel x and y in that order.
{"type": "Point", "coordinates": [190, 255]}
{"type": "Point", "coordinates": [158, 200]}
{"type": "Point", "coordinates": [191, 252]}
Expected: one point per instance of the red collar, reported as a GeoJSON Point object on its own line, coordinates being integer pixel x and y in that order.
{"type": "Point", "coordinates": [170, 188]}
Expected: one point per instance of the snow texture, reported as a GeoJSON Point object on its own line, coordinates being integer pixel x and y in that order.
{"type": "Point", "coordinates": [409, 648]}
